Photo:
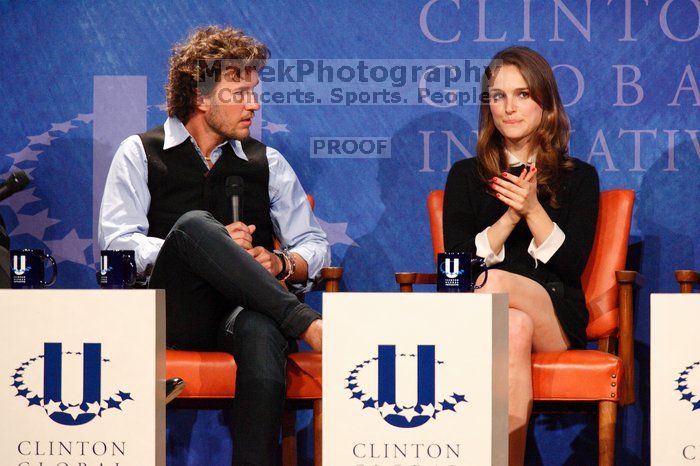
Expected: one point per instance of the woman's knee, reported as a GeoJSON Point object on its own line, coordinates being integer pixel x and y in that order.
{"type": "Point", "coordinates": [520, 332]}
{"type": "Point", "coordinates": [497, 282]}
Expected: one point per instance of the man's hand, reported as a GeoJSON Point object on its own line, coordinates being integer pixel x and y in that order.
{"type": "Point", "coordinates": [267, 259]}
{"type": "Point", "coordinates": [242, 234]}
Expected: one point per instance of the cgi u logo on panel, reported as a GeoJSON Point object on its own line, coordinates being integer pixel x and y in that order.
{"type": "Point", "coordinates": [373, 383]}
{"type": "Point", "coordinates": [451, 268]}
{"type": "Point", "coordinates": [688, 380]}
{"type": "Point", "coordinates": [19, 265]}
{"type": "Point", "coordinates": [45, 386]}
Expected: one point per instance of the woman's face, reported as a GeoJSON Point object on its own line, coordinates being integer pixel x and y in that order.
{"type": "Point", "coordinates": [515, 114]}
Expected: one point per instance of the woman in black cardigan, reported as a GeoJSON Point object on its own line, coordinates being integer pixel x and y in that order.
{"type": "Point", "coordinates": [530, 211]}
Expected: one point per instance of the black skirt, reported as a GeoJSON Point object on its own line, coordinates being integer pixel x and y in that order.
{"type": "Point", "coordinates": [569, 303]}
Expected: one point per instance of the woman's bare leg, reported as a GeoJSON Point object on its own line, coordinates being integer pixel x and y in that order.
{"type": "Point", "coordinates": [532, 327]}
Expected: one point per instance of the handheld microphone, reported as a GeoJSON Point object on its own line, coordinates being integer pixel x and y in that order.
{"type": "Point", "coordinates": [234, 189]}
{"type": "Point", "coordinates": [16, 182]}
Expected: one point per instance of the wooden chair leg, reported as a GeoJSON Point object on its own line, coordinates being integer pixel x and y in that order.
{"type": "Point", "coordinates": [318, 440]}
{"type": "Point", "coordinates": [289, 437]}
{"type": "Point", "coordinates": [607, 418]}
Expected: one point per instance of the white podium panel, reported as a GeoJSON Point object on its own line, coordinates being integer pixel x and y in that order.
{"type": "Point", "coordinates": [85, 374]}
{"type": "Point", "coordinates": [415, 379]}
{"type": "Point", "coordinates": [675, 379]}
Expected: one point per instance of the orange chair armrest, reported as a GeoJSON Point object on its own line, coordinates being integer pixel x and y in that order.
{"type": "Point", "coordinates": [629, 276]}
{"type": "Point", "coordinates": [406, 280]}
{"type": "Point", "coordinates": [330, 277]}
{"type": "Point", "coordinates": [687, 279]}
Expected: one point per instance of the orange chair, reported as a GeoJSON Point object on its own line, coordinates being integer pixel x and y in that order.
{"type": "Point", "coordinates": [687, 279]}
{"type": "Point", "coordinates": [210, 381]}
{"type": "Point", "coordinates": [603, 378]}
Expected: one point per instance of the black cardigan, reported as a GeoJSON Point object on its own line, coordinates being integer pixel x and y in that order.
{"type": "Point", "coordinates": [469, 208]}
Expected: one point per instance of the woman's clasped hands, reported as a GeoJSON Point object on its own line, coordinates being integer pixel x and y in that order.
{"type": "Point", "coordinates": [519, 193]}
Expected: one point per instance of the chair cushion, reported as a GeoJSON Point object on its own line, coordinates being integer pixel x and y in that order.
{"type": "Point", "coordinates": [206, 374]}
{"type": "Point", "coordinates": [576, 375]}
{"type": "Point", "coordinates": [210, 375]}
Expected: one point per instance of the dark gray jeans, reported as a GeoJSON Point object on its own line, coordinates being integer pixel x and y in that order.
{"type": "Point", "coordinates": [206, 275]}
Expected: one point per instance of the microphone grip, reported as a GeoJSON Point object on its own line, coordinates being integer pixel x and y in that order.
{"type": "Point", "coordinates": [236, 208]}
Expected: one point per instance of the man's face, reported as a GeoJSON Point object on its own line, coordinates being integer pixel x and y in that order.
{"type": "Point", "coordinates": [231, 106]}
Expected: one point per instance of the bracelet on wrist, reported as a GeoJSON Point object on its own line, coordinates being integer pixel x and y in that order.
{"type": "Point", "coordinates": [288, 265]}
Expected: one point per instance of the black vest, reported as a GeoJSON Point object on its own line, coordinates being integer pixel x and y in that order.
{"type": "Point", "coordinates": [179, 182]}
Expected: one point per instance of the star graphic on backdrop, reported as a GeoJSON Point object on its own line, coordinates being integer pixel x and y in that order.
{"type": "Point", "coordinates": [62, 127]}
{"type": "Point", "coordinates": [25, 155]}
{"type": "Point", "coordinates": [84, 117]}
{"type": "Point", "coordinates": [22, 392]}
{"type": "Point", "coordinates": [44, 139]}
{"type": "Point", "coordinates": [686, 396]}
{"type": "Point", "coordinates": [696, 405]}
{"type": "Point", "coordinates": [458, 398]}
{"type": "Point", "coordinates": [276, 127]}
{"type": "Point", "coordinates": [336, 233]}
{"type": "Point", "coordinates": [35, 400]}
{"type": "Point", "coordinates": [124, 396]}
{"type": "Point", "coordinates": [69, 249]}
{"type": "Point", "coordinates": [27, 170]}
{"type": "Point", "coordinates": [34, 225]}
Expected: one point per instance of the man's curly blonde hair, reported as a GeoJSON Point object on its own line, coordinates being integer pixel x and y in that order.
{"type": "Point", "coordinates": [191, 60]}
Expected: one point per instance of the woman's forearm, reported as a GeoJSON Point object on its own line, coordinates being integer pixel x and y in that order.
{"type": "Point", "coordinates": [501, 230]}
{"type": "Point", "coordinates": [540, 225]}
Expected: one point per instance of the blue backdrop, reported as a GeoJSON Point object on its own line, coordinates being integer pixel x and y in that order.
{"type": "Point", "coordinates": [77, 78]}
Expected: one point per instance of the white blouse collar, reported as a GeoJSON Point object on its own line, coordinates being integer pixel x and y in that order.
{"type": "Point", "coordinates": [513, 161]}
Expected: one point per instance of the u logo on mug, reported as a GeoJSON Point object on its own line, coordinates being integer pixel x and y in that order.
{"type": "Point", "coordinates": [28, 269]}
{"type": "Point", "coordinates": [117, 269]}
{"type": "Point", "coordinates": [455, 274]}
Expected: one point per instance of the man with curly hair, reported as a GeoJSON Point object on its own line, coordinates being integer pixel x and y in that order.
{"type": "Point", "coordinates": [165, 197]}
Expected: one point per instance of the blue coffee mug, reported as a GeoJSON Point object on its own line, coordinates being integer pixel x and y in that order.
{"type": "Point", "coordinates": [455, 272]}
{"type": "Point", "coordinates": [117, 269]}
{"type": "Point", "coordinates": [28, 270]}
